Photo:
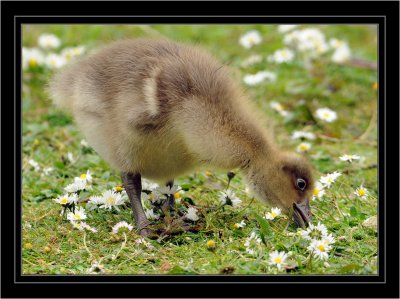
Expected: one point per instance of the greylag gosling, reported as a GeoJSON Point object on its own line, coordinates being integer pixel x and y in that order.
{"type": "Point", "coordinates": [160, 109]}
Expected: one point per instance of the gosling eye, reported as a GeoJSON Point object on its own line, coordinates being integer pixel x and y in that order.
{"type": "Point", "coordinates": [301, 184]}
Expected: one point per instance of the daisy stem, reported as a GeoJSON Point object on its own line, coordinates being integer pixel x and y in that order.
{"type": "Point", "coordinates": [227, 187]}
{"type": "Point", "coordinates": [337, 206]}
{"type": "Point", "coordinates": [289, 217]}
{"type": "Point", "coordinates": [246, 207]}
{"type": "Point", "coordinates": [84, 243]}
{"type": "Point", "coordinates": [122, 247]}
{"type": "Point", "coordinates": [308, 261]}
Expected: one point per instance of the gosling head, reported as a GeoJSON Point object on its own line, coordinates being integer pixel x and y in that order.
{"type": "Point", "coordinates": [284, 180]}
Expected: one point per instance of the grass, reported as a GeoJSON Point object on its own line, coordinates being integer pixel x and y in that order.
{"type": "Point", "coordinates": [52, 246]}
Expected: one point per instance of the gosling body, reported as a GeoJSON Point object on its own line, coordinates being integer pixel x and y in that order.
{"type": "Point", "coordinates": [161, 109]}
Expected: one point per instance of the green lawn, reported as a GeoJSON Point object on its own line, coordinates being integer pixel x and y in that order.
{"type": "Point", "coordinates": [52, 246]}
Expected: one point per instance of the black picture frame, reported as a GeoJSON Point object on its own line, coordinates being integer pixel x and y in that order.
{"type": "Point", "coordinates": [383, 13]}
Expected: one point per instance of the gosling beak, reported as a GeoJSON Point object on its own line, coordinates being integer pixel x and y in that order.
{"type": "Point", "coordinates": [302, 213]}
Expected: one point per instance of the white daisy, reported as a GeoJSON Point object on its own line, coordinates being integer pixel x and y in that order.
{"type": "Point", "coordinates": [319, 191]}
{"type": "Point", "coordinates": [96, 268]}
{"type": "Point", "coordinates": [149, 186]}
{"type": "Point", "coordinates": [112, 199]}
{"type": "Point", "coordinates": [278, 107]}
{"type": "Point", "coordinates": [155, 197]}
{"type": "Point", "coordinates": [278, 258]}
{"type": "Point", "coordinates": [66, 199]}
{"type": "Point", "coordinates": [326, 114]}
{"type": "Point", "coordinates": [34, 164]}
{"type": "Point", "coordinates": [309, 40]}
{"type": "Point", "coordinates": [145, 198]}
{"type": "Point", "coordinates": [275, 212]}
{"type": "Point", "coordinates": [70, 157]}
{"type": "Point", "coordinates": [361, 192]}
{"type": "Point", "coordinates": [151, 215]}
{"type": "Point", "coordinates": [303, 147]}
{"type": "Point", "coordinates": [252, 60]}
{"type": "Point", "coordinates": [191, 214]}
{"type": "Point", "coordinates": [178, 195]}
{"type": "Point", "coordinates": [86, 176]}
{"type": "Point", "coordinates": [142, 241]}
{"type": "Point", "coordinates": [81, 225]}
{"type": "Point", "coordinates": [78, 215]}
{"type": "Point", "coordinates": [229, 198]}
{"type": "Point", "coordinates": [76, 186]}
{"type": "Point", "coordinates": [167, 189]}
{"type": "Point", "coordinates": [121, 227]}
{"type": "Point", "coordinates": [94, 202]}
{"type": "Point", "coordinates": [281, 56]}
{"type": "Point", "coordinates": [47, 170]}
{"type": "Point", "coordinates": [320, 249]}
{"type": "Point", "coordinates": [329, 178]}
{"type": "Point", "coordinates": [48, 41]}
{"type": "Point", "coordinates": [250, 39]}
{"type": "Point", "coordinates": [31, 57]}
{"type": "Point", "coordinates": [252, 244]}
{"type": "Point", "coordinates": [336, 44]}
{"type": "Point", "coordinates": [84, 143]}
{"type": "Point", "coordinates": [314, 232]}
{"type": "Point", "coordinates": [349, 158]}
{"type": "Point", "coordinates": [70, 53]}
{"type": "Point", "coordinates": [328, 239]}
{"type": "Point", "coordinates": [54, 61]}
{"type": "Point", "coordinates": [240, 225]}
{"type": "Point", "coordinates": [303, 135]}
{"type": "Point", "coordinates": [259, 77]}
{"type": "Point", "coordinates": [341, 54]}
{"type": "Point", "coordinates": [286, 28]}
{"type": "Point", "coordinates": [77, 224]}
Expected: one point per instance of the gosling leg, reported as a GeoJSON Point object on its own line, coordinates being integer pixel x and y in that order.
{"type": "Point", "coordinates": [133, 186]}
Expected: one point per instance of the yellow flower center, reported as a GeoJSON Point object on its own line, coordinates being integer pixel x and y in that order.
{"type": "Point", "coordinates": [177, 195]}
{"type": "Point", "coordinates": [252, 39]}
{"type": "Point", "coordinates": [33, 62]}
{"type": "Point", "coordinates": [77, 216]}
{"type": "Point", "coordinates": [64, 200]}
{"type": "Point", "coordinates": [118, 188]}
{"type": "Point", "coordinates": [375, 86]}
{"type": "Point", "coordinates": [303, 147]}
{"type": "Point", "coordinates": [83, 176]}
{"type": "Point", "coordinates": [236, 225]}
{"type": "Point", "coordinates": [278, 260]}
{"type": "Point", "coordinates": [326, 114]}
{"type": "Point", "coordinates": [361, 192]}
{"type": "Point", "coordinates": [316, 191]}
{"type": "Point", "coordinates": [210, 243]}
{"type": "Point", "coordinates": [321, 247]}
{"type": "Point", "coordinates": [111, 200]}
